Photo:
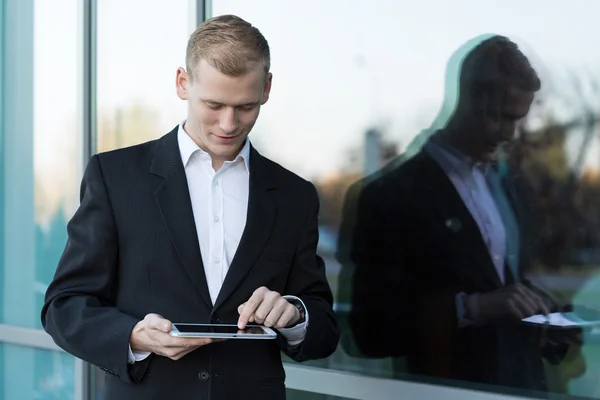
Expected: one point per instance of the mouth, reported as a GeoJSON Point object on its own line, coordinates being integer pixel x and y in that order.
{"type": "Point", "coordinates": [226, 139]}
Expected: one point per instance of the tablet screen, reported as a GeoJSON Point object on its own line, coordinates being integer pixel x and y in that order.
{"type": "Point", "coordinates": [568, 319]}
{"type": "Point", "coordinates": [200, 328]}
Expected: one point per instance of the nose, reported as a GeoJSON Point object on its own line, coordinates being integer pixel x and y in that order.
{"type": "Point", "coordinates": [228, 121]}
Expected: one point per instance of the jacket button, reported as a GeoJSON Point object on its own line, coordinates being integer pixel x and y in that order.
{"type": "Point", "coordinates": [203, 376]}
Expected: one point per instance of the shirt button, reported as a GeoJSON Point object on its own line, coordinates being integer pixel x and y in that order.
{"type": "Point", "coordinates": [216, 218]}
{"type": "Point", "coordinates": [203, 376]}
{"type": "Point", "coordinates": [217, 260]}
{"type": "Point", "coordinates": [217, 182]}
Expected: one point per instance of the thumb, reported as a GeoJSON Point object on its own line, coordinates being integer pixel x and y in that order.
{"type": "Point", "coordinates": [158, 322]}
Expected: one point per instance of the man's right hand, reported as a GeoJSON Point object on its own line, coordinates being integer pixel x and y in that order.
{"type": "Point", "coordinates": [152, 334]}
{"type": "Point", "coordinates": [513, 302]}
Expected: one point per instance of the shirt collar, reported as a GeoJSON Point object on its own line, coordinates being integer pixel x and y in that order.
{"type": "Point", "coordinates": [456, 157]}
{"type": "Point", "coordinates": [187, 147]}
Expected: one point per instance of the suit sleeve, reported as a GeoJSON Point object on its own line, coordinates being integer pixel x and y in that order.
{"type": "Point", "coordinates": [308, 282]}
{"type": "Point", "coordinates": [79, 311]}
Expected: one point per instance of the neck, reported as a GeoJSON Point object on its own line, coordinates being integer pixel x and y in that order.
{"type": "Point", "coordinates": [457, 135]}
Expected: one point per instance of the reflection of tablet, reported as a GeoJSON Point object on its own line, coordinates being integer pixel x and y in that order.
{"type": "Point", "coordinates": [563, 320]}
{"type": "Point", "coordinates": [218, 331]}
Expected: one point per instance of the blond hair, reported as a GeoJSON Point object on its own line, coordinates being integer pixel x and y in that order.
{"type": "Point", "coordinates": [229, 44]}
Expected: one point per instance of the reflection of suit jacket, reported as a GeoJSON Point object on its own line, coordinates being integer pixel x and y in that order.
{"type": "Point", "coordinates": [408, 245]}
{"type": "Point", "coordinates": [133, 250]}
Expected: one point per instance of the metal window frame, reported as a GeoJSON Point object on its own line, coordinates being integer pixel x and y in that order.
{"type": "Point", "coordinates": [307, 379]}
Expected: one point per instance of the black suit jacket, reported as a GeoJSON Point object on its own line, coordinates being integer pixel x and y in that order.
{"type": "Point", "coordinates": [133, 250]}
{"type": "Point", "coordinates": [408, 246]}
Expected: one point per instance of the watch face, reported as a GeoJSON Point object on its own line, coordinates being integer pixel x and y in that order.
{"type": "Point", "coordinates": [301, 310]}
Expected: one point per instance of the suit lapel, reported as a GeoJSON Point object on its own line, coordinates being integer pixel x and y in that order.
{"type": "Point", "coordinates": [173, 200]}
{"type": "Point", "coordinates": [259, 224]}
{"type": "Point", "coordinates": [456, 217]}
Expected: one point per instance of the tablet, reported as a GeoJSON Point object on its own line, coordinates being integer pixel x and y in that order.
{"type": "Point", "coordinates": [562, 320]}
{"type": "Point", "coordinates": [220, 331]}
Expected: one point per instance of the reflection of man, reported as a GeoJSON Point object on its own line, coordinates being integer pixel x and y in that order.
{"type": "Point", "coordinates": [195, 227]}
{"type": "Point", "coordinates": [438, 243]}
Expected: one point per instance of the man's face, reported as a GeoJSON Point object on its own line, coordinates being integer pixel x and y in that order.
{"type": "Point", "coordinates": [222, 109]}
{"type": "Point", "coordinates": [498, 123]}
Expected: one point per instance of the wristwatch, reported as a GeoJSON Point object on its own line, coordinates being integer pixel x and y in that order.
{"type": "Point", "coordinates": [301, 310]}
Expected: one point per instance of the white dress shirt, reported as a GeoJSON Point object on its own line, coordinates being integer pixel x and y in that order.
{"type": "Point", "coordinates": [220, 205]}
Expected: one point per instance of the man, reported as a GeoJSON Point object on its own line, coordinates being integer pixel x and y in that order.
{"type": "Point", "coordinates": [195, 227]}
{"type": "Point", "coordinates": [436, 246]}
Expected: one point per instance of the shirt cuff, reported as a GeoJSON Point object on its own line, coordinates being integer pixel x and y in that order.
{"type": "Point", "coordinates": [461, 311]}
{"type": "Point", "coordinates": [134, 357]}
{"type": "Point", "coordinates": [296, 334]}
{"type": "Point", "coordinates": [468, 310]}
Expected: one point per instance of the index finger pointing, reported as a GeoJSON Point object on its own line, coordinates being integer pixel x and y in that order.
{"type": "Point", "coordinates": [247, 311]}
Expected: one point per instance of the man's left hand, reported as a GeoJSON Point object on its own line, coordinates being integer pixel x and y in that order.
{"type": "Point", "coordinates": [268, 308]}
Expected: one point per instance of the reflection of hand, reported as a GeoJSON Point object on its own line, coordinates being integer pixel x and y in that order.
{"type": "Point", "coordinates": [268, 308]}
{"type": "Point", "coordinates": [152, 334]}
{"type": "Point", "coordinates": [547, 335]}
{"type": "Point", "coordinates": [513, 302]}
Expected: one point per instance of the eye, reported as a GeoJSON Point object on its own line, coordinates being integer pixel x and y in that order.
{"type": "Point", "coordinates": [213, 106]}
{"type": "Point", "coordinates": [248, 107]}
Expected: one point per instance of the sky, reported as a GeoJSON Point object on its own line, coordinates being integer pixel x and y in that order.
{"type": "Point", "coordinates": [340, 66]}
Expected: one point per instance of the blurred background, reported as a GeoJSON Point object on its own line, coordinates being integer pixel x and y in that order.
{"type": "Point", "coordinates": [354, 83]}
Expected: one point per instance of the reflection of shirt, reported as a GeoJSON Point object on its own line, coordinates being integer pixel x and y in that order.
{"type": "Point", "coordinates": [470, 183]}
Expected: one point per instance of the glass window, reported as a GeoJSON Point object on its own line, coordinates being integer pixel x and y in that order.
{"type": "Point", "coordinates": [41, 152]}
{"type": "Point", "coordinates": [375, 91]}
{"type": "Point", "coordinates": [137, 101]}
{"type": "Point", "coordinates": [40, 161]}
{"type": "Point", "coordinates": [28, 374]}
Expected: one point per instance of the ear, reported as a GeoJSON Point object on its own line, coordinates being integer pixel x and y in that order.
{"type": "Point", "coordinates": [181, 83]}
{"type": "Point", "coordinates": [267, 89]}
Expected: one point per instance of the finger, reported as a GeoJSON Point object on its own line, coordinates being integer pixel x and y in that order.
{"type": "Point", "coordinates": [515, 309]}
{"type": "Point", "coordinates": [540, 305]}
{"type": "Point", "coordinates": [529, 306]}
{"type": "Point", "coordinates": [528, 300]}
{"type": "Point", "coordinates": [184, 343]}
{"type": "Point", "coordinates": [247, 314]}
{"type": "Point", "coordinates": [286, 318]}
{"type": "Point", "coordinates": [276, 312]}
{"type": "Point", "coordinates": [267, 305]}
{"type": "Point", "coordinates": [178, 354]}
{"type": "Point", "coordinates": [249, 308]}
{"type": "Point", "coordinates": [240, 308]}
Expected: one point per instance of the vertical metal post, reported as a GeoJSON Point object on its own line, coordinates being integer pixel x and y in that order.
{"type": "Point", "coordinates": [83, 386]}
